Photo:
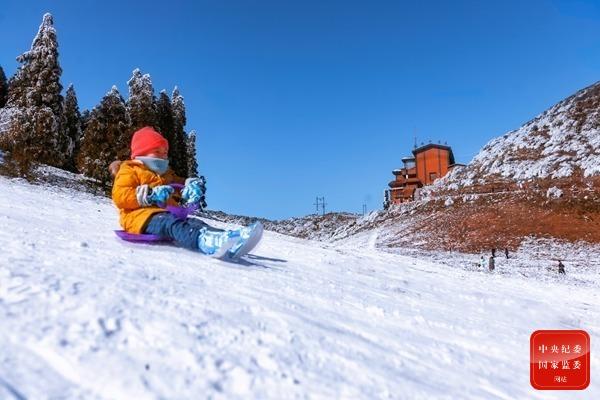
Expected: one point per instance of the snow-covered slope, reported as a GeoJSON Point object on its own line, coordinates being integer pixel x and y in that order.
{"type": "Point", "coordinates": [558, 143]}
{"type": "Point", "coordinates": [315, 227]}
{"type": "Point", "coordinates": [541, 180]}
{"type": "Point", "coordinates": [84, 315]}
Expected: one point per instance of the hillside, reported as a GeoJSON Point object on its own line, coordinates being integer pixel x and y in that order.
{"type": "Point", "coordinates": [540, 181]}
{"type": "Point", "coordinates": [315, 227]}
{"type": "Point", "coordinates": [562, 142]}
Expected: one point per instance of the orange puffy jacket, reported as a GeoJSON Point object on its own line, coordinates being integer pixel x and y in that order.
{"type": "Point", "coordinates": [132, 217]}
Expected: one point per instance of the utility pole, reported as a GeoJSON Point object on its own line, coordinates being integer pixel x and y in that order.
{"type": "Point", "coordinates": [320, 203]}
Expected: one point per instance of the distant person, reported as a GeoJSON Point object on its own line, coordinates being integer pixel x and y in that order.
{"type": "Point", "coordinates": [506, 252]}
{"type": "Point", "coordinates": [493, 252]}
{"type": "Point", "coordinates": [561, 267]}
{"type": "Point", "coordinates": [482, 262]}
{"type": "Point", "coordinates": [491, 264]}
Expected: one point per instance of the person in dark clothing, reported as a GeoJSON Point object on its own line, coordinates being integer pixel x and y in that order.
{"type": "Point", "coordinates": [561, 267]}
{"type": "Point", "coordinates": [493, 252]}
{"type": "Point", "coordinates": [491, 264]}
{"type": "Point", "coordinates": [506, 252]}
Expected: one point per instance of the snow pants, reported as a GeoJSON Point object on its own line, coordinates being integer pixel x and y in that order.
{"type": "Point", "coordinates": [185, 233]}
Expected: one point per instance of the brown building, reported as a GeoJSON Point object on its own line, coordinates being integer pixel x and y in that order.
{"type": "Point", "coordinates": [428, 163]}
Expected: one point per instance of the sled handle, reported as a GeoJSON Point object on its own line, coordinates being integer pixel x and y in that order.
{"type": "Point", "coordinates": [176, 186]}
{"type": "Point", "coordinates": [178, 211]}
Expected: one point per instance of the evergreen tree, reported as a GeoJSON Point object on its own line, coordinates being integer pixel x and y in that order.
{"type": "Point", "coordinates": [192, 164]}
{"type": "Point", "coordinates": [3, 88]}
{"type": "Point", "coordinates": [106, 137]}
{"type": "Point", "coordinates": [164, 119]}
{"type": "Point", "coordinates": [142, 102]}
{"type": "Point", "coordinates": [178, 146]}
{"type": "Point", "coordinates": [35, 91]}
{"type": "Point", "coordinates": [17, 161]}
{"type": "Point", "coordinates": [17, 88]}
{"type": "Point", "coordinates": [72, 126]}
{"type": "Point", "coordinates": [85, 117]}
{"type": "Point", "coordinates": [6, 114]}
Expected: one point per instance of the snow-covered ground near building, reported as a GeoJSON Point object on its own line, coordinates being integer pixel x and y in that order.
{"type": "Point", "coordinates": [84, 315]}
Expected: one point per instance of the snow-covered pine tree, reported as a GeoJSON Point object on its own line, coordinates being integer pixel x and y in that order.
{"type": "Point", "coordinates": [34, 92]}
{"type": "Point", "coordinates": [142, 102]}
{"type": "Point", "coordinates": [106, 137]}
{"type": "Point", "coordinates": [4, 113]}
{"type": "Point", "coordinates": [192, 164]}
{"type": "Point", "coordinates": [72, 127]}
{"type": "Point", "coordinates": [85, 117]}
{"type": "Point", "coordinates": [17, 88]}
{"type": "Point", "coordinates": [3, 88]}
{"type": "Point", "coordinates": [164, 114]}
{"type": "Point", "coordinates": [17, 162]}
{"type": "Point", "coordinates": [178, 148]}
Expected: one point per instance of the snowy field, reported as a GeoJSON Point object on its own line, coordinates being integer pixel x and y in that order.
{"type": "Point", "coordinates": [84, 315]}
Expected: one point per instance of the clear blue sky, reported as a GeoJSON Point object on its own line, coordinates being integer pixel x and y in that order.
{"type": "Point", "coordinates": [297, 99]}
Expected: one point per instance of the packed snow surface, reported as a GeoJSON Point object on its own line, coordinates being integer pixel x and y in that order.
{"type": "Point", "coordinates": [84, 315]}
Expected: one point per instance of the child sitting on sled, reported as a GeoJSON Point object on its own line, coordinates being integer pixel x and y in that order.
{"type": "Point", "coordinates": [141, 191]}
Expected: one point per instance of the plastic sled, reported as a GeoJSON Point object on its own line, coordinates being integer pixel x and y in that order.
{"type": "Point", "coordinates": [141, 237]}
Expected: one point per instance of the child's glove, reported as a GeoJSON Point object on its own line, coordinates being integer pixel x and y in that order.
{"type": "Point", "coordinates": [193, 192]}
{"type": "Point", "coordinates": [147, 196]}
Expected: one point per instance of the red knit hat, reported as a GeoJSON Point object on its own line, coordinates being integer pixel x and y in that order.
{"type": "Point", "coordinates": [146, 140]}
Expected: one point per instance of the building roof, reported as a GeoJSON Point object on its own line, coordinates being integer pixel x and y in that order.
{"type": "Point", "coordinates": [435, 146]}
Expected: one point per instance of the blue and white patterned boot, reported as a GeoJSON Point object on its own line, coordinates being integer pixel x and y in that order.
{"type": "Point", "coordinates": [249, 236]}
{"type": "Point", "coordinates": [217, 244]}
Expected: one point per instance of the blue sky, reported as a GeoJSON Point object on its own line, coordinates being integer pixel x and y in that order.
{"type": "Point", "coordinates": [293, 100]}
